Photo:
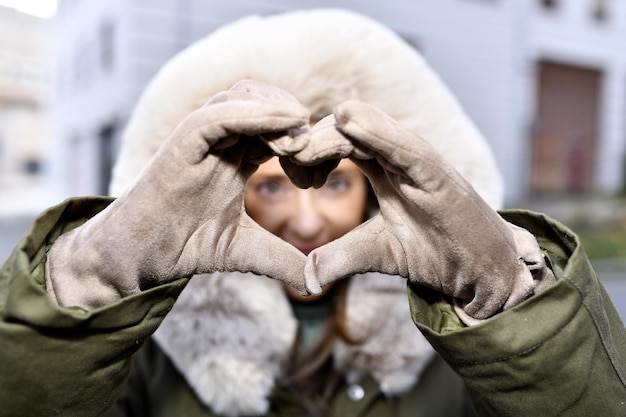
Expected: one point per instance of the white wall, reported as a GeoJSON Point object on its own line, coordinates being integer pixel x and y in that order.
{"type": "Point", "coordinates": [23, 84]}
{"type": "Point", "coordinates": [484, 50]}
{"type": "Point", "coordinates": [88, 94]}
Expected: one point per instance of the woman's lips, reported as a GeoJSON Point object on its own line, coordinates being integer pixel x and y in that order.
{"type": "Point", "coordinates": [306, 249]}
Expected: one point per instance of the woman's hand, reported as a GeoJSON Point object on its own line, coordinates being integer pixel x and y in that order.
{"type": "Point", "coordinates": [185, 215]}
{"type": "Point", "coordinates": [432, 228]}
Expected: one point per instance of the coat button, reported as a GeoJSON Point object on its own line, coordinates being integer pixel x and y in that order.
{"type": "Point", "coordinates": [356, 392]}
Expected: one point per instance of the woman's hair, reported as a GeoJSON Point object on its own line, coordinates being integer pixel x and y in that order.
{"type": "Point", "coordinates": [311, 377]}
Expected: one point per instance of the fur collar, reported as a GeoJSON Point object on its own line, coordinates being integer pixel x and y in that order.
{"type": "Point", "coordinates": [230, 334]}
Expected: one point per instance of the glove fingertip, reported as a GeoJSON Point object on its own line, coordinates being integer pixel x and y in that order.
{"type": "Point", "coordinates": [312, 286]}
{"type": "Point", "coordinates": [345, 110]}
{"type": "Point", "coordinates": [459, 308]}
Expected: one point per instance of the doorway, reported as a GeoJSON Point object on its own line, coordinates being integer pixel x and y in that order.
{"type": "Point", "coordinates": [565, 133]}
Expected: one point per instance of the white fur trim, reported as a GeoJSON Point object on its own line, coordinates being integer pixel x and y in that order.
{"type": "Point", "coordinates": [322, 57]}
{"type": "Point", "coordinates": [229, 334]}
{"type": "Point", "coordinates": [394, 352]}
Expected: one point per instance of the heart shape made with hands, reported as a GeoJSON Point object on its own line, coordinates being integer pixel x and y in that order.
{"type": "Point", "coordinates": [432, 227]}
{"type": "Point", "coordinates": [312, 166]}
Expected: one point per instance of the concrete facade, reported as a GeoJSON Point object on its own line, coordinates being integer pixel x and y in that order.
{"type": "Point", "coordinates": [485, 50]}
{"type": "Point", "coordinates": [23, 121]}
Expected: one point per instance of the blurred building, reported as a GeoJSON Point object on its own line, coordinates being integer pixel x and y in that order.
{"type": "Point", "coordinates": [545, 81]}
{"type": "Point", "coordinates": [23, 89]}
{"type": "Point", "coordinates": [576, 112]}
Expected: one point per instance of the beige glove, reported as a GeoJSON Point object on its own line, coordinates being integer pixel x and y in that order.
{"type": "Point", "coordinates": [185, 213]}
{"type": "Point", "coordinates": [432, 227]}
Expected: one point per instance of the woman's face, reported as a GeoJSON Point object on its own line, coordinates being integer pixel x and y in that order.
{"type": "Point", "coordinates": [307, 218]}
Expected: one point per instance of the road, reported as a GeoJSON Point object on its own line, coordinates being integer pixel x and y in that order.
{"type": "Point", "coordinates": [613, 276]}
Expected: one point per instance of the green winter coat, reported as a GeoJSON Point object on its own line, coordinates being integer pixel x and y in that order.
{"type": "Point", "coordinates": [562, 352]}
{"type": "Point", "coordinates": [156, 388]}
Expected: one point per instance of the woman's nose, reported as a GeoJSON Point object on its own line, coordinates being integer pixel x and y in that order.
{"type": "Point", "coordinates": [306, 221]}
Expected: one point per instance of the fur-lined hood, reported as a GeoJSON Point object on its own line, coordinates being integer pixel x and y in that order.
{"type": "Point", "coordinates": [229, 333]}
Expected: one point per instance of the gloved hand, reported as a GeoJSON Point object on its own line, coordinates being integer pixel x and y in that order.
{"type": "Point", "coordinates": [432, 228]}
{"type": "Point", "coordinates": [185, 214]}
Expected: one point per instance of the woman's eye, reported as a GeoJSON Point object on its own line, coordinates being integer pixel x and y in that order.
{"type": "Point", "coordinates": [336, 184]}
{"type": "Point", "coordinates": [269, 188]}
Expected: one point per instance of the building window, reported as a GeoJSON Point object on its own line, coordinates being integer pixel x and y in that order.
{"type": "Point", "coordinates": [106, 138]}
{"type": "Point", "coordinates": [549, 4]}
{"type": "Point", "coordinates": [600, 9]}
{"type": "Point", "coordinates": [32, 166]}
{"type": "Point", "coordinates": [107, 42]}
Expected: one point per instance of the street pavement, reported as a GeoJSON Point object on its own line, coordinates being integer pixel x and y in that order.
{"type": "Point", "coordinates": [611, 273]}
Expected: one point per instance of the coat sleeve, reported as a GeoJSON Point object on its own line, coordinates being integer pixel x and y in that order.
{"type": "Point", "coordinates": [66, 361]}
{"type": "Point", "coordinates": [561, 352]}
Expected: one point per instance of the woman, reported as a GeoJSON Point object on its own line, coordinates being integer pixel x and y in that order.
{"type": "Point", "coordinates": [237, 344]}
{"type": "Point", "coordinates": [329, 72]}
